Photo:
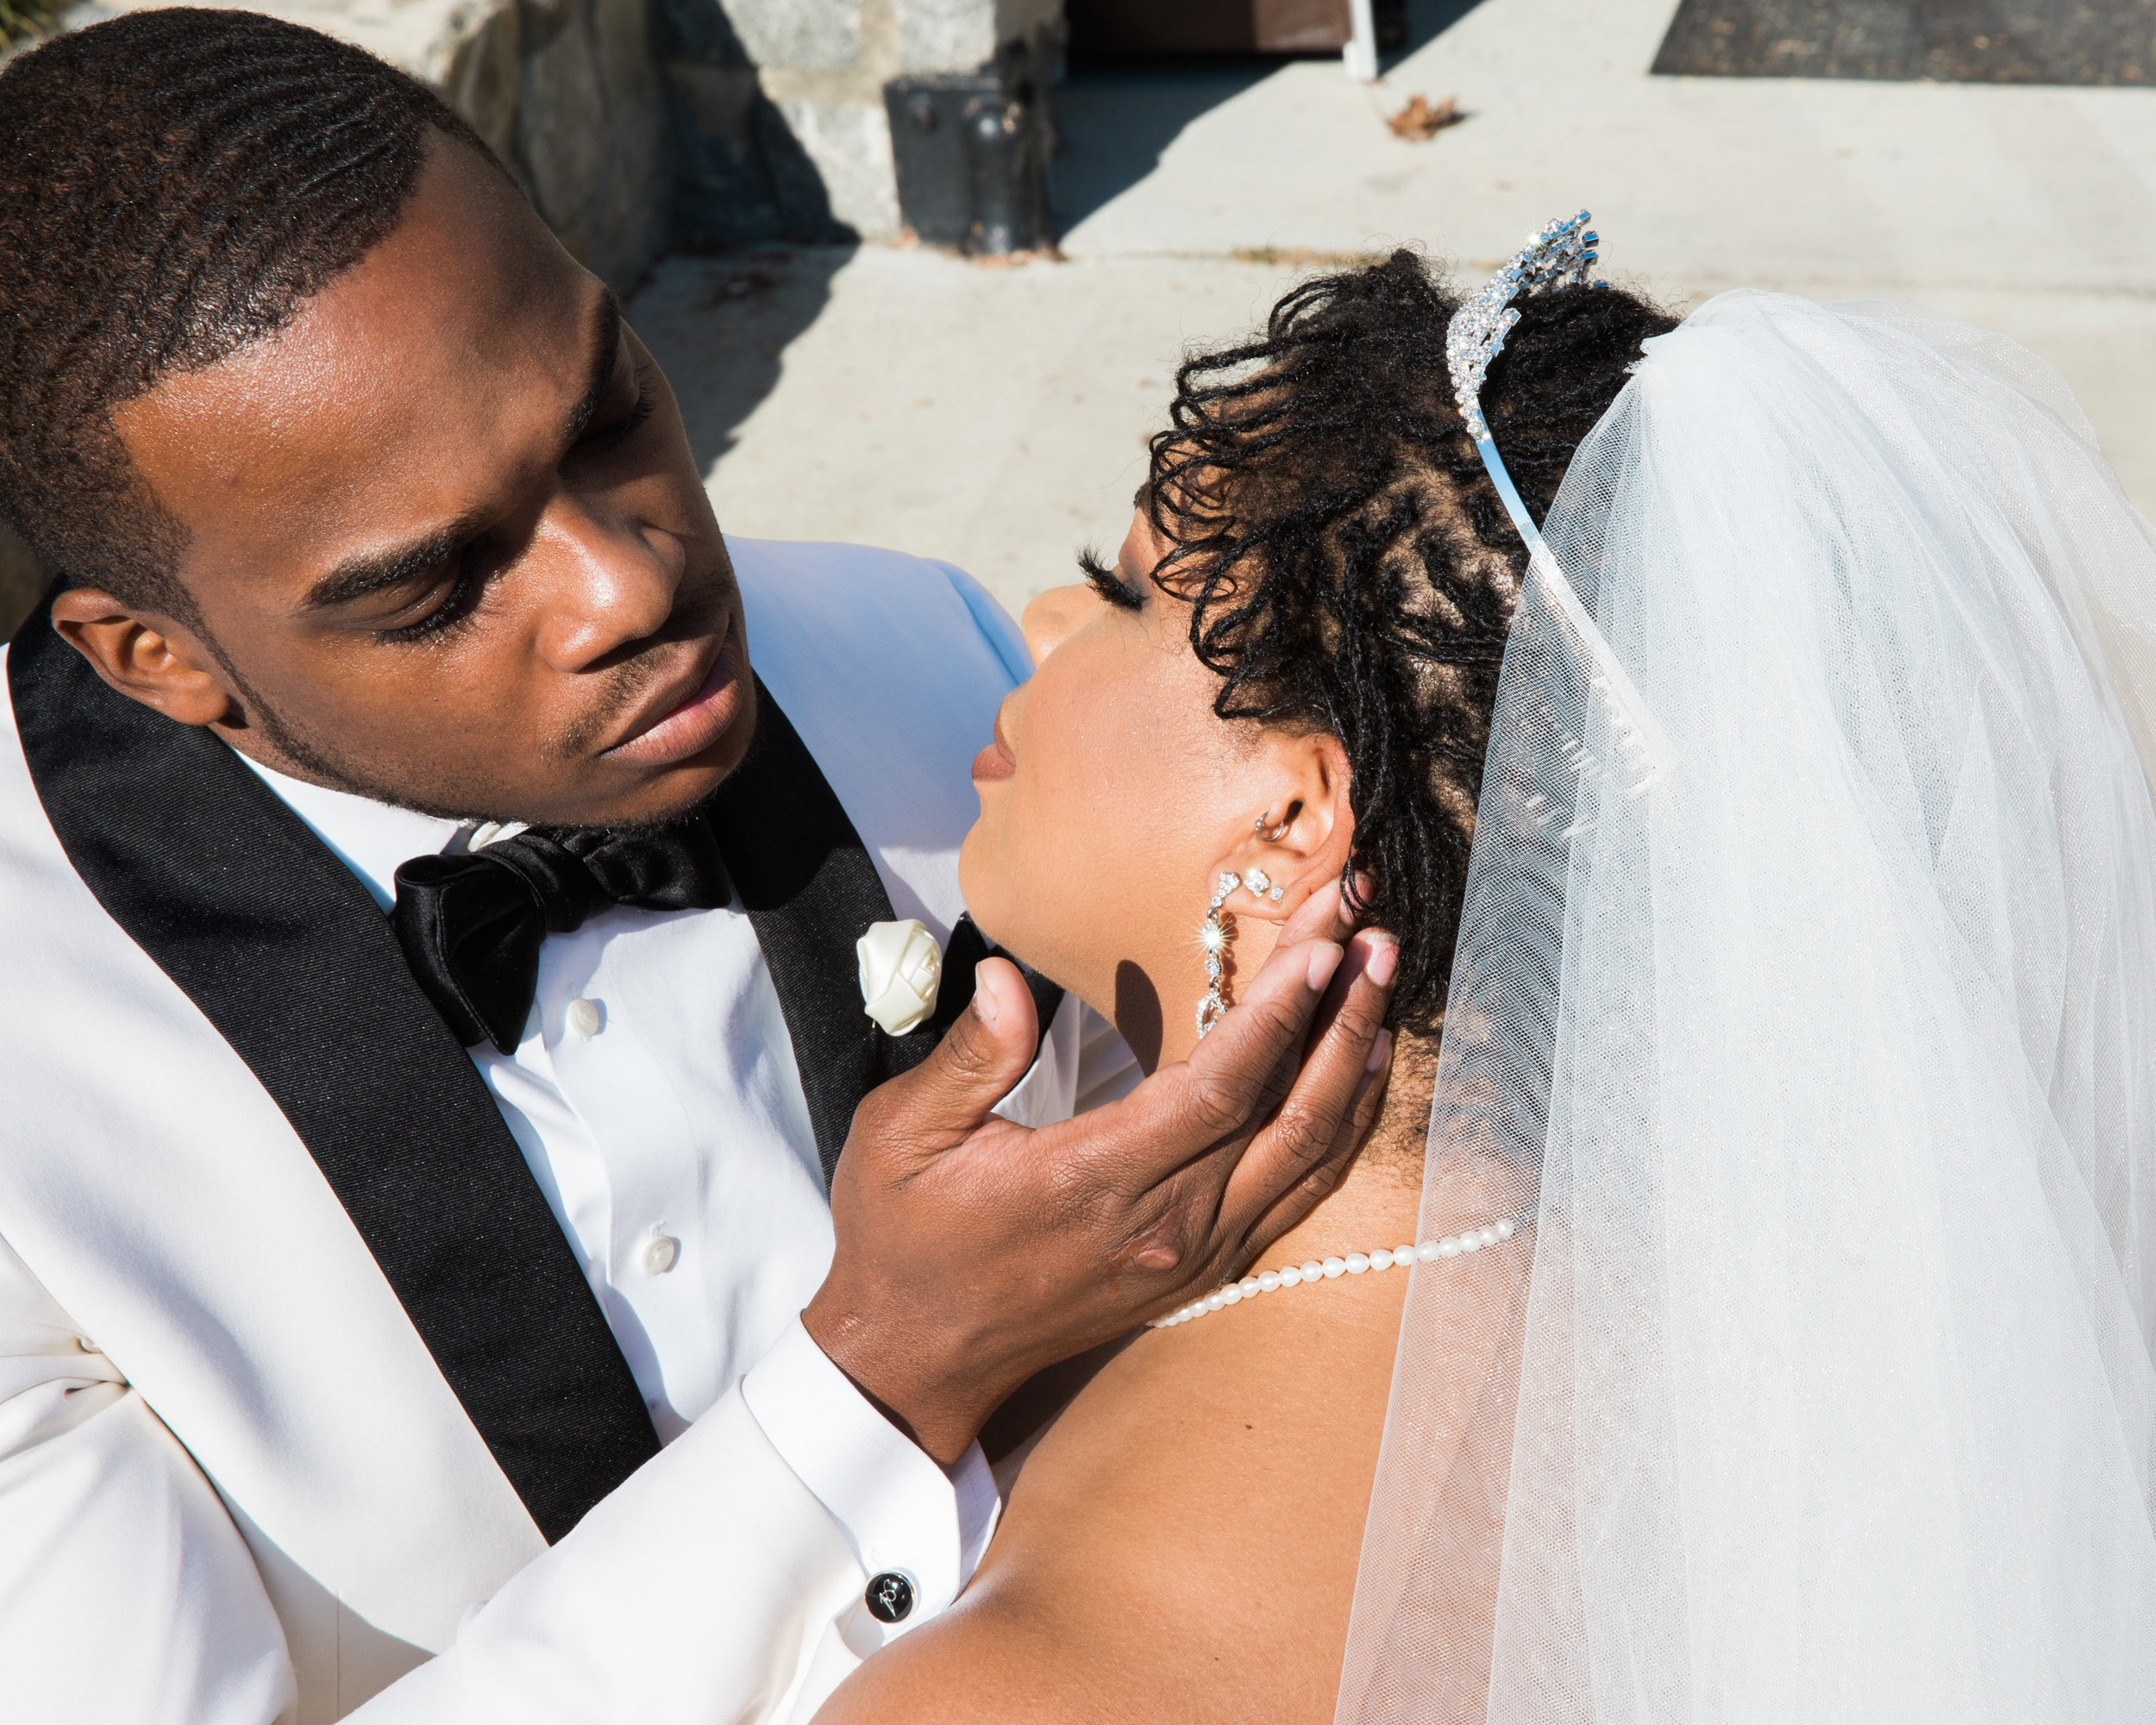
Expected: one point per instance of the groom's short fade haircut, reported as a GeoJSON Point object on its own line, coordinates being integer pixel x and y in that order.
{"type": "Point", "coordinates": [174, 185]}
{"type": "Point", "coordinates": [1349, 566]}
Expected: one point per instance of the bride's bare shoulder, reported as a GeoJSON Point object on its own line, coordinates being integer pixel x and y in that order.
{"type": "Point", "coordinates": [1183, 1541]}
{"type": "Point", "coordinates": [973, 1666]}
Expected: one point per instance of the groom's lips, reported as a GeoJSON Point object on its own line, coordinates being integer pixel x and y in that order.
{"type": "Point", "coordinates": [996, 761]}
{"type": "Point", "coordinates": [679, 724]}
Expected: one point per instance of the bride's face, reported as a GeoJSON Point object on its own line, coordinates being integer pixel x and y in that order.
{"type": "Point", "coordinates": [1111, 798]}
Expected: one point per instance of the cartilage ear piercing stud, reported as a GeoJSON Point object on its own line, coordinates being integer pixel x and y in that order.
{"type": "Point", "coordinates": [1214, 937]}
{"type": "Point", "coordinates": [1255, 878]}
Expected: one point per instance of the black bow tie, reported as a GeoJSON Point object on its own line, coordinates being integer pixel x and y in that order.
{"type": "Point", "coordinates": [472, 926]}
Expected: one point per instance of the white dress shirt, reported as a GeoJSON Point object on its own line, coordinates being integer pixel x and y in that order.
{"type": "Point", "coordinates": [656, 1101]}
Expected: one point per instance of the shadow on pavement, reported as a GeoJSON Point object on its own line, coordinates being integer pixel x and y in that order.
{"type": "Point", "coordinates": [1115, 121]}
{"type": "Point", "coordinates": [718, 323]}
{"type": "Point", "coordinates": [1427, 19]}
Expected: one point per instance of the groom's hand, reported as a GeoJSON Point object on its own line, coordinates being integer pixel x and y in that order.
{"type": "Point", "coordinates": [973, 1253]}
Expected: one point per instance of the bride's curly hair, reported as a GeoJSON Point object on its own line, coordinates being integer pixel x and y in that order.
{"type": "Point", "coordinates": [1349, 564]}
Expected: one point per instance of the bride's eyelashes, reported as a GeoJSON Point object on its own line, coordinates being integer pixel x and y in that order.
{"type": "Point", "coordinates": [1106, 582]}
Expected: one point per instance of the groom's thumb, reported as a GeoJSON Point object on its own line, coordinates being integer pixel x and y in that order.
{"type": "Point", "coordinates": [986, 1052]}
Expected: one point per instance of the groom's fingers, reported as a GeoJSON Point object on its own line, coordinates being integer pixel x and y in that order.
{"type": "Point", "coordinates": [1246, 1068]}
{"type": "Point", "coordinates": [1308, 1191]}
{"type": "Point", "coordinates": [1162, 1165]}
{"type": "Point", "coordinates": [1301, 1154]}
{"type": "Point", "coordinates": [968, 1256]}
{"type": "Point", "coordinates": [1250, 1136]}
{"type": "Point", "coordinates": [944, 1099]}
{"type": "Point", "coordinates": [1323, 916]}
{"type": "Point", "coordinates": [1177, 1141]}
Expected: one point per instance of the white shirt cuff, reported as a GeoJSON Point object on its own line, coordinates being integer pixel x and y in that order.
{"type": "Point", "coordinates": [897, 1509]}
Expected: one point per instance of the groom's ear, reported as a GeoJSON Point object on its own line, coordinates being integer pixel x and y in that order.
{"type": "Point", "coordinates": [149, 659]}
{"type": "Point", "coordinates": [1300, 839]}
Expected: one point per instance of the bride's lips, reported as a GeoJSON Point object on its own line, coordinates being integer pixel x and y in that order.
{"type": "Point", "coordinates": [996, 761]}
{"type": "Point", "coordinates": [675, 725]}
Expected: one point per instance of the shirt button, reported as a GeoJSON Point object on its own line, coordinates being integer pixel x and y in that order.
{"type": "Point", "coordinates": [658, 1255]}
{"type": "Point", "coordinates": [585, 1017]}
{"type": "Point", "coordinates": [889, 1597]}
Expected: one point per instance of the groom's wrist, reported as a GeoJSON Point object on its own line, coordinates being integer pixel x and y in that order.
{"type": "Point", "coordinates": [916, 1380]}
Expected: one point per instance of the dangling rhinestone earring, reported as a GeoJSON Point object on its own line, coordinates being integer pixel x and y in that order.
{"type": "Point", "coordinates": [1214, 938]}
{"type": "Point", "coordinates": [1215, 934]}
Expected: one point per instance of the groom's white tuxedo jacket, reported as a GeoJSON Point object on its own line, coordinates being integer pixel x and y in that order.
{"type": "Point", "coordinates": [341, 1368]}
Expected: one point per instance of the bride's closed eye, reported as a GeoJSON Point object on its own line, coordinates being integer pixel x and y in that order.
{"type": "Point", "coordinates": [1107, 583]}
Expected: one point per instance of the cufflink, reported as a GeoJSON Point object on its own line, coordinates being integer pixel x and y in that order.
{"type": "Point", "coordinates": [889, 1597]}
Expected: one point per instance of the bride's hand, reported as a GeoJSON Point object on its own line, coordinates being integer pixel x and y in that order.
{"type": "Point", "coordinates": [973, 1253]}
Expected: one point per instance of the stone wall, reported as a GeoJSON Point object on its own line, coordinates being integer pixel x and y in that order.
{"type": "Point", "coordinates": [778, 104]}
{"type": "Point", "coordinates": [638, 124]}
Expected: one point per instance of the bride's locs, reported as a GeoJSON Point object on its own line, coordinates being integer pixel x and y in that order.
{"type": "Point", "coordinates": [1562, 249]}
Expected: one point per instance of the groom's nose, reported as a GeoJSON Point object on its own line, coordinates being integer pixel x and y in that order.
{"type": "Point", "coordinates": [1050, 618]}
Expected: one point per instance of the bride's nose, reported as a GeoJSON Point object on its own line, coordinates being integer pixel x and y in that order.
{"type": "Point", "coordinates": [1051, 617]}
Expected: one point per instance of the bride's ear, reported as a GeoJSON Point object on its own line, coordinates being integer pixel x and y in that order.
{"type": "Point", "coordinates": [1300, 831]}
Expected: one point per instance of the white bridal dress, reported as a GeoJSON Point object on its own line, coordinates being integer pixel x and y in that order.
{"type": "Point", "coordinates": [1807, 987]}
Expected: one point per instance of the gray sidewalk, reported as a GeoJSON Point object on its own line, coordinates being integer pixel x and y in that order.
{"type": "Point", "coordinates": [995, 415]}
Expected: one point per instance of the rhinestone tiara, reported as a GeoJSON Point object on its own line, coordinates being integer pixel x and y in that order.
{"type": "Point", "coordinates": [1478, 329]}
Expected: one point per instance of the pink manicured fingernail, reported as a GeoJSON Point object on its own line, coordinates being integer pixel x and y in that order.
{"type": "Point", "coordinates": [984, 1001]}
{"type": "Point", "coordinates": [1379, 1049]}
{"type": "Point", "coordinates": [1384, 960]}
{"type": "Point", "coordinates": [1323, 962]}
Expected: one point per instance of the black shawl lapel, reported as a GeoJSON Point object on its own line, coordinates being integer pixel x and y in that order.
{"type": "Point", "coordinates": [810, 892]}
{"type": "Point", "coordinates": [284, 953]}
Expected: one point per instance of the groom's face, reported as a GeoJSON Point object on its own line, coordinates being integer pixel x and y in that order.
{"type": "Point", "coordinates": [447, 537]}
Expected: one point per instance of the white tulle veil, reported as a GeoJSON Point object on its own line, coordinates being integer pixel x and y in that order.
{"type": "Point", "coordinates": [1807, 991]}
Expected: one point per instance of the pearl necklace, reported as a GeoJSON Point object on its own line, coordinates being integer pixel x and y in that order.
{"type": "Point", "coordinates": [1331, 1269]}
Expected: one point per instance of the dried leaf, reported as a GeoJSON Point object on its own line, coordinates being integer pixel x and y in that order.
{"type": "Point", "coordinates": [1419, 121]}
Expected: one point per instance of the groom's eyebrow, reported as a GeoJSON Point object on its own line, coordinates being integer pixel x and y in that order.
{"type": "Point", "coordinates": [599, 370]}
{"type": "Point", "coordinates": [373, 572]}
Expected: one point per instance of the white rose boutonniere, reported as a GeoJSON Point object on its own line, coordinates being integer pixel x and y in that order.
{"type": "Point", "coordinates": [901, 968]}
